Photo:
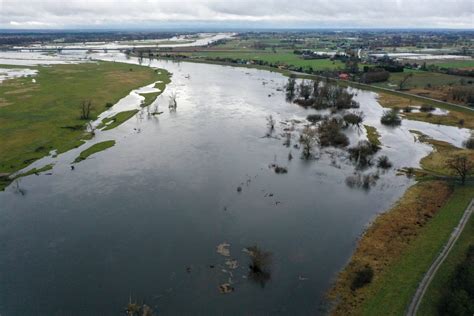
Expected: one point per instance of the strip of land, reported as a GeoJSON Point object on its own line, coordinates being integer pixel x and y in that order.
{"type": "Point", "coordinates": [39, 116]}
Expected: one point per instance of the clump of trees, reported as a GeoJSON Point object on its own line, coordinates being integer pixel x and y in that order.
{"type": "Point", "coordinates": [311, 93]}
{"type": "Point", "coordinates": [330, 133]}
{"type": "Point", "coordinates": [391, 118]}
{"type": "Point", "coordinates": [461, 165]}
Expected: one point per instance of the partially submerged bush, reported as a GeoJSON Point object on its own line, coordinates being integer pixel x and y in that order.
{"type": "Point", "coordinates": [407, 109]}
{"type": "Point", "coordinates": [354, 118]}
{"type": "Point", "coordinates": [362, 153]}
{"type": "Point", "coordinates": [427, 108]}
{"type": "Point", "coordinates": [363, 277]}
{"type": "Point", "coordinates": [384, 163]}
{"type": "Point", "coordinates": [314, 118]}
{"type": "Point", "coordinates": [469, 144]}
{"type": "Point", "coordinates": [391, 118]}
{"type": "Point", "coordinates": [279, 169]}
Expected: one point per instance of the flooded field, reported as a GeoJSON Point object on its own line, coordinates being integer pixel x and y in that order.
{"type": "Point", "coordinates": [171, 213]}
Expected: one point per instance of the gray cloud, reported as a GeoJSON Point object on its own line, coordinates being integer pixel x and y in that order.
{"type": "Point", "coordinates": [272, 13]}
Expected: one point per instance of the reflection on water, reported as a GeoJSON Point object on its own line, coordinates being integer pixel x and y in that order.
{"type": "Point", "coordinates": [143, 218]}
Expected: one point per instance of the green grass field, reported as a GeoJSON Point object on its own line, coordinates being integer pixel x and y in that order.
{"type": "Point", "coordinates": [455, 64]}
{"type": "Point", "coordinates": [36, 118]}
{"type": "Point", "coordinates": [281, 57]}
{"type": "Point", "coordinates": [395, 288]}
{"type": "Point", "coordinates": [420, 79]}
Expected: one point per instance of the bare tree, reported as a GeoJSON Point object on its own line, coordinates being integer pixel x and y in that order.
{"type": "Point", "coordinates": [173, 103]}
{"type": "Point", "coordinates": [461, 165]}
{"type": "Point", "coordinates": [403, 82]}
{"type": "Point", "coordinates": [86, 108]}
{"type": "Point", "coordinates": [271, 122]}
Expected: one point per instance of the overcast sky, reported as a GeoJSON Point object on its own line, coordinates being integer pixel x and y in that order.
{"type": "Point", "coordinates": [97, 14]}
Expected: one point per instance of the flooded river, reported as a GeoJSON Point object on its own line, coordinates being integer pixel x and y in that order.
{"type": "Point", "coordinates": [144, 219]}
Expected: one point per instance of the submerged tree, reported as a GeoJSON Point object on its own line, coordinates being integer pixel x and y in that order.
{"type": "Point", "coordinates": [260, 264]}
{"type": "Point", "coordinates": [308, 139]}
{"type": "Point", "coordinates": [291, 89]}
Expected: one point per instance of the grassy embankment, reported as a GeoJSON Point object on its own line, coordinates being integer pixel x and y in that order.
{"type": "Point", "coordinates": [36, 118]}
{"type": "Point", "coordinates": [94, 149]}
{"type": "Point", "coordinates": [402, 243]}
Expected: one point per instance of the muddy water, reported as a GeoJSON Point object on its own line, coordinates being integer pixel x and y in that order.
{"type": "Point", "coordinates": [145, 218]}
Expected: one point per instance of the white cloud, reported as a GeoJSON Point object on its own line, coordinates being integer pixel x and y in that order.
{"type": "Point", "coordinates": [276, 13]}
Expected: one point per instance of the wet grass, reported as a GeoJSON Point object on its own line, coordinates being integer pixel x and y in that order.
{"type": "Point", "coordinates": [45, 115]}
{"type": "Point", "coordinates": [116, 120]}
{"type": "Point", "coordinates": [94, 149]}
{"type": "Point", "coordinates": [373, 135]}
{"type": "Point", "coordinates": [439, 284]}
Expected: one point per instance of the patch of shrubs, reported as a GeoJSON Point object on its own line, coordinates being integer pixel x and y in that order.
{"type": "Point", "coordinates": [391, 118]}
{"type": "Point", "coordinates": [407, 109]}
{"type": "Point", "coordinates": [362, 277]}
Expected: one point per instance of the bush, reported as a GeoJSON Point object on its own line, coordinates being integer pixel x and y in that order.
{"type": "Point", "coordinates": [384, 163]}
{"type": "Point", "coordinates": [362, 278]}
{"type": "Point", "coordinates": [109, 105]}
{"type": "Point", "coordinates": [391, 118]}
{"type": "Point", "coordinates": [354, 118]}
{"type": "Point", "coordinates": [469, 144]}
{"type": "Point", "coordinates": [314, 118]}
{"type": "Point", "coordinates": [426, 108]}
{"type": "Point", "coordinates": [407, 109]}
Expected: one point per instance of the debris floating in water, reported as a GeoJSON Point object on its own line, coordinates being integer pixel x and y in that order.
{"type": "Point", "coordinates": [226, 288]}
{"type": "Point", "coordinates": [223, 249]}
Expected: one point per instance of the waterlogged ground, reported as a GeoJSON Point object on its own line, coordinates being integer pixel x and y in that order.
{"type": "Point", "coordinates": [158, 217]}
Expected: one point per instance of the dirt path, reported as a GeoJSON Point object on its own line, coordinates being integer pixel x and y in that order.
{"type": "Point", "coordinates": [423, 286]}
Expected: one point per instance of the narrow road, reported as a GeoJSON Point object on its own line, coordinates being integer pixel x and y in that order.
{"type": "Point", "coordinates": [423, 286]}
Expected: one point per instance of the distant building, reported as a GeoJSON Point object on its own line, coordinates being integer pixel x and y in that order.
{"type": "Point", "coordinates": [344, 76]}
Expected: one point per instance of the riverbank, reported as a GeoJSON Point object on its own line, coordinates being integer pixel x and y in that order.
{"type": "Point", "coordinates": [44, 115]}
